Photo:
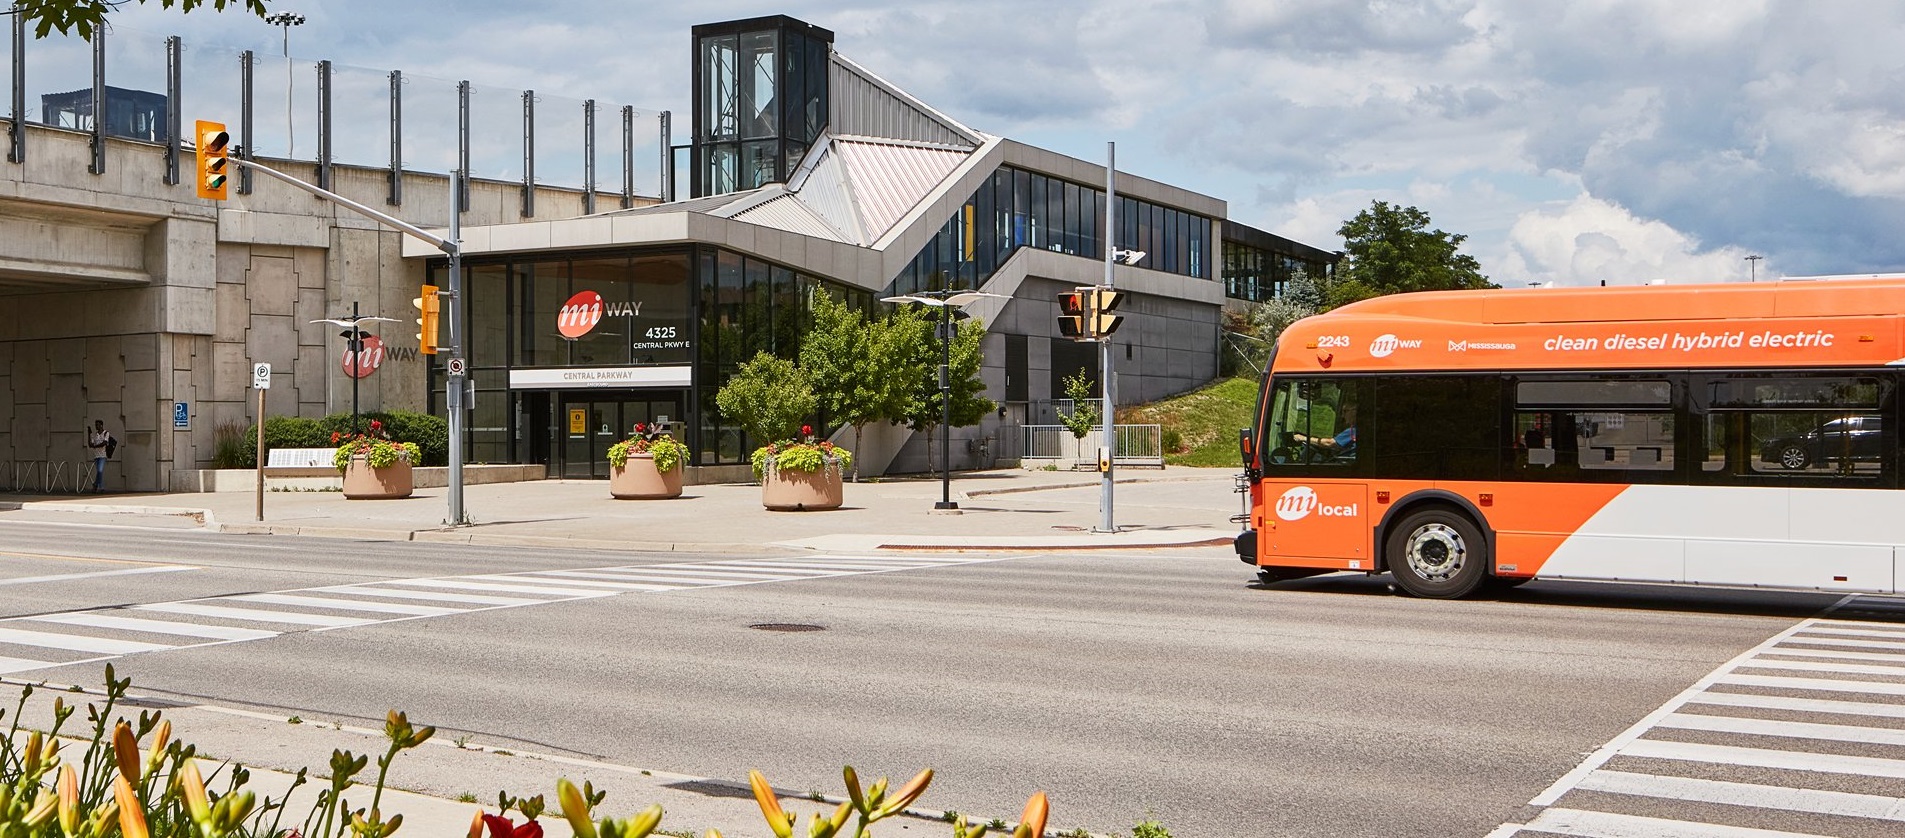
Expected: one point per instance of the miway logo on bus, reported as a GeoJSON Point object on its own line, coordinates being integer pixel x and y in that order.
{"type": "Point", "coordinates": [1297, 504]}
{"type": "Point", "coordinates": [1384, 345]}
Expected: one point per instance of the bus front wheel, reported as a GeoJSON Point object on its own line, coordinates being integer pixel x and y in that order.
{"type": "Point", "coordinates": [1437, 553]}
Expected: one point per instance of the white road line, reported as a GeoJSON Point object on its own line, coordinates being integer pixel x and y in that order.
{"type": "Point", "coordinates": [640, 587]}
{"type": "Point", "coordinates": [429, 596]}
{"type": "Point", "coordinates": [699, 572]}
{"type": "Point", "coordinates": [698, 578]}
{"type": "Point", "coordinates": [1794, 730]}
{"type": "Point", "coordinates": [253, 614]}
{"type": "Point", "coordinates": [556, 594]}
{"type": "Point", "coordinates": [22, 665]}
{"type": "Point", "coordinates": [347, 604]}
{"type": "Point", "coordinates": [1855, 632]}
{"type": "Point", "coordinates": [108, 621]}
{"type": "Point", "coordinates": [1808, 666]}
{"type": "Point", "coordinates": [1892, 657]}
{"type": "Point", "coordinates": [821, 566]}
{"type": "Point", "coordinates": [1848, 643]}
{"type": "Point", "coordinates": [1766, 758]}
{"type": "Point", "coordinates": [1826, 684]}
{"type": "Point", "coordinates": [756, 570]}
{"type": "Point", "coordinates": [1815, 801]}
{"type": "Point", "coordinates": [1606, 825]}
{"type": "Point", "coordinates": [1808, 705]}
{"type": "Point", "coordinates": [77, 643]}
{"type": "Point", "coordinates": [62, 577]}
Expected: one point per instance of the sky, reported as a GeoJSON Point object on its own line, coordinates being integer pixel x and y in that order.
{"type": "Point", "coordinates": [1576, 142]}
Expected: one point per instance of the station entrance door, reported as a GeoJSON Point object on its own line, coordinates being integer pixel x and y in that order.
{"type": "Point", "coordinates": [590, 422]}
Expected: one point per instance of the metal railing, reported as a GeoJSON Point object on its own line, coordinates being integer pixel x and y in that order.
{"type": "Point", "coordinates": [47, 476]}
{"type": "Point", "coordinates": [1133, 445]}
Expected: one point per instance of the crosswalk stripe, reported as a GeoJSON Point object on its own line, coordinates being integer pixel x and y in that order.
{"type": "Point", "coordinates": [826, 566]}
{"type": "Point", "coordinates": [1852, 632]}
{"type": "Point", "coordinates": [1826, 684]}
{"type": "Point", "coordinates": [22, 665]}
{"type": "Point", "coordinates": [677, 583]}
{"type": "Point", "coordinates": [1808, 705]}
{"type": "Point", "coordinates": [348, 604]}
{"type": "Point", "coordinates": [76, 643]}
{"type": "Point", "coordinates": [1766, 758]}
{"type": "Point", "coordinates": [699, 573]}
{"type": "Point", "coordinates": [793, 571]}
{"type": "Point", "coordinates": [1846, 642]}
{"type": "Point", "coordinates": [691, 579]}
{"type": "Point", "coordinates": [1838, 655]}
{"type": "Point", "coordinates": [1796, 730]}
{"type": "Point", "coordinates": [1815, 801]}
{"type": "Point", "coordinates": [1608, 825]}
{"type": "Point", "coordinates": [1808, 666]}
{"type": "Point", "coordinates": [460, 585]}
{"type": "Point", "coordinates": [255, 615]}
{"type": "Point", "coordinates": [108, 621]}
{"type": "Point", "coordinates": [612, 586]}
{"type": "Point", "coordinates": [427, 596]}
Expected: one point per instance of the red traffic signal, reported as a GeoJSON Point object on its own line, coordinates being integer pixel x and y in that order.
{"type": "Point", "coordinates": [1072, 316]}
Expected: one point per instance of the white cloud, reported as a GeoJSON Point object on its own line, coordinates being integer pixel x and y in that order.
{"type": "Point", "coordinates": [1589, 241]}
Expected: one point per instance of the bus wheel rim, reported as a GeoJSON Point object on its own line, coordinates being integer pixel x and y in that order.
{"type": "Point", "coordinates": [1436, 552]}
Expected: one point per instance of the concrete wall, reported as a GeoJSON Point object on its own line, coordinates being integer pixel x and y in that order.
{"type": "Point", "coordinates": [121, 294]}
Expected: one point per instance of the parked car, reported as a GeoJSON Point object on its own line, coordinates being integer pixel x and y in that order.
{"type": "Point", "coordinates": [1857, 436]}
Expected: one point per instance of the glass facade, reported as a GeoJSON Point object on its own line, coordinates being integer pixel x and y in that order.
{"type": "Point", "coordinates": [1017, 208]}
{"type": "Point", "coordinates": [1257, 274]}
{"type": "Point", "coordinates": [761, 101]}
{"type": "Point", "coordinates": [703, 309]}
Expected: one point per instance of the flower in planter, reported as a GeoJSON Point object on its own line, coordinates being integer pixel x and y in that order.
{"type": "Point", "coordinates": [376, 446]}
{"type": "Point", "coordinates": [668, 452]}
{"type": "Point", "coordinates": [804, 454]}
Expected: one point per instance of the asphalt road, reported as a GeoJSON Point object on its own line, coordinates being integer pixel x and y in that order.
{"type": "Point", "coordinates": [1166, 685]}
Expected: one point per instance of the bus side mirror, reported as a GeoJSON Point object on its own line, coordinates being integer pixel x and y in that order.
{"type": "Point", "coordinates": [1246, 445]}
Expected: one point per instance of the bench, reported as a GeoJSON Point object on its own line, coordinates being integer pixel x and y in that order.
{"type": "Point", "coordinates": [301, 458]}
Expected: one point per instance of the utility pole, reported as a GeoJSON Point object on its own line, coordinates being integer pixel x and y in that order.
{"type": "Point", "coordinates": [458, 378]}
{"type": "Point", "coordinates": [286, 20]}
{"type": "Point", "coordinates": [1105, 518]}
{"type": "Point", "coordinates": [1752, 267]}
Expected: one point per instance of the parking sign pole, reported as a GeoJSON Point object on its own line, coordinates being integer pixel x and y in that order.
{"type": "Point", "coordinates": [261, 381]}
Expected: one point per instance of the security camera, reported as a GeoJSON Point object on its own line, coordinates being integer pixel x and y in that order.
{"type": "Point", "coordinates": [1127, 257]}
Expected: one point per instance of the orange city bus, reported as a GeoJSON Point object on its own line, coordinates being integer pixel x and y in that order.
{"type": "Point", "coordinates": [1727, 434]}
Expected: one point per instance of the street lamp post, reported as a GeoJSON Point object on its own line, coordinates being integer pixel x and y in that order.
{"type": "Point", "coordinates": [945, 300]}
{"type": "Point", "coordinates": [354, 343]}
{"type": "Point", "coordinates": [1752, 267]}
{"type": "Point", "coordinates": [286, 20]}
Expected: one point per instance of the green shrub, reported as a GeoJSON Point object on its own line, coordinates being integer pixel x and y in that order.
{"type": "Point", "coordinates": [285, 432]}
{"type": "Point", "coordinates": [430, 433]}
{"type": "Point", "coordinates": [228, 446]}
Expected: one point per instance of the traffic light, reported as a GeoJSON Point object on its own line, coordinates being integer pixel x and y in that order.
{"type": "Point", "coordinates": [1104, 302]}
{"type": "Point", "coordinates": [213, 146]}
{"type": "Point", "coordinates": [428, 306]}
{"type": "Point", "coordinates": [1072, 316]}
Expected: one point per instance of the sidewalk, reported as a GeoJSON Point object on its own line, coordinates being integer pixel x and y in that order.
{"type": "Point", "coordinates": [1006, 509]}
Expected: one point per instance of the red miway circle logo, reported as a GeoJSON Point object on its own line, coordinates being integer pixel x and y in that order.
{"type": "Point", "coordinates": [579, 315]}
{"type": "Point", "coordinates": [362, 364]}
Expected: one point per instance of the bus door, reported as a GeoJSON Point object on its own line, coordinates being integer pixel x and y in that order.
{"type": "Point", "coordinates": [1314, 510]}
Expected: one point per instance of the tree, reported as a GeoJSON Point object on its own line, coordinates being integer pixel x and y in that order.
{"type": "Point", "coordinates": [861, 372]}
{"type": "Point", "coordinates": [81, 17]}
{"type": "Point", "coordinates": [768, 397]}
{"type": "Point", "coordinates": [969, 405]}
{"type": "Point", "coordinates": [1391, 250]}
{"type": "Point", "coordinates": [1083, 418]}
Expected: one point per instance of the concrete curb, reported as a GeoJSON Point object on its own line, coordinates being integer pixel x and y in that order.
{"type": "Point", "coordinates": [1086, 484]}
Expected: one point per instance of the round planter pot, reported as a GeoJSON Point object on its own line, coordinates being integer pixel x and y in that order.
{"type": "Point", "coordinates": [361, 482]}
{"type": "Point", "coordinates": [801, 491]}
{"type": "Point", "coordinates": [640, 480]}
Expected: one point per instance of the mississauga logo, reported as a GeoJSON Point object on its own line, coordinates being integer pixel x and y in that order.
{"type": "Point", "coordinates": [1477, 345]}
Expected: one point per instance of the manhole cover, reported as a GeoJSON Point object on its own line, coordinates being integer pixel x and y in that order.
{"type": "Point", "coordinates": [787, 627]}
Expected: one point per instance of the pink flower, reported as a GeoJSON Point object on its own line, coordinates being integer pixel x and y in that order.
{"type": "Point", "coordinates": [335, 436]}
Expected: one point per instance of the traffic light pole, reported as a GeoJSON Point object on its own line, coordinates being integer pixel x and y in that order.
{"type": "Point", "coordinates": [454, 248]}
{"type": "Point", "coordinates": [1106, 522]}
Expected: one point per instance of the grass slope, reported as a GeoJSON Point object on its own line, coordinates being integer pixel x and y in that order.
{"type": "Point", "coordinates": [1206, 421]}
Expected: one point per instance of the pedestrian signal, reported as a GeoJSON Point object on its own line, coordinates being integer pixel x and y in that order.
{"type": "Point", "coordinates": [428, 306]}
{"type": "Point", "coordinates": [1104, 302]}
{"type": "Point", "coordinates": [1072, 317]}
{"type": "Point", "coordinates": [213, 144]}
